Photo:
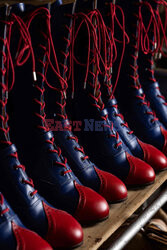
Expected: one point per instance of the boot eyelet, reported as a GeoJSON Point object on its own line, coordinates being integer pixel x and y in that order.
{"type": "Point", "coordinates": [22, 181]}
{"type": "Point", "coordinates": [152, 121]}
{"type": "Point", "coordinates": [67, 138]}
{"type": "Point", "coordinates": [15, 168]}
{"type": "Point", "coordinates": [115, 146]}
{"type": "Point", "coordinates": [82, 158]}
{"type": "Point", "coordinates": [62, 173]}
{"type": "Point", "coordinates": [122, 124]}
{"type": "Point", "coordinates": [31, 196]}
{"type": "Point", "coordinates": [75, 148]}
{"type": "Point", "coordinates": [115, 114]}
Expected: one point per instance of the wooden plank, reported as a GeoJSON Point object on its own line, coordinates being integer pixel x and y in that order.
{"type": "Point", "coordinates": [96, 235]}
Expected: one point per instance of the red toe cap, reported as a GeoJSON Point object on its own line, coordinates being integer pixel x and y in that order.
{"type": "Point", "coordinates": [27, 239]}
{"type": "Point", "coordinates": [153, 156]}
{"type": "Point", "coordinates": [140, 173]}
{"type": "Point", "coordinates": [164, 132]}
{"type": "Point", "coordinates": [112, 188]}
{"type": "Point", "coordinates": [63, 229]}
{"type": "Point", "coordinates": [92, 207]}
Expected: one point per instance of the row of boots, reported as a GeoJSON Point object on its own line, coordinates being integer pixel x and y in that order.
{"type": "Point", "coordinates": [65, 71]}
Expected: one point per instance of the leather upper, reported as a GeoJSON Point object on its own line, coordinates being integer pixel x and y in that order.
{"type": "Point", "coordinates": [83, 169]}
{"type": "Point", "coordinates": [138, 117]}
{"type": "Point", "coordinates": [29, 208]}
{"type": "Point", "coordinates": [60, 189]}
{"type": "Point", "coordinates": [152, 92]}
{"type": "Point", "coordinates": [14, 235]}
{"type": "Point", "coordinates": [129, 139]}
{"type": "Point", "coordinates": [146, 152]}
{"type": "Point", "coordinates": [109, 186]}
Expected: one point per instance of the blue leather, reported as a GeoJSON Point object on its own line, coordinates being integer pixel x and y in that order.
{"type": "Point", "coordinates": [139, 120]}
{"type": "Point", "coordinates": [133, 108]}
{"type": "Point", "coordinates": [83, 169]}
{"type": "Point", "coordinates": [49, 178]}
{"type": "Point", "coordinates": [59, 189]}
{"type": "Point", "coordinates": [7, 238]}
{"type": "Point", "coordinates": [146, 74]}
{"type": "Point", "coordinates": [129, 139]}
{"type": "Point", "coordinates": [30, 209]}
{"type": "Point", "coordinates": [98, 144]}
{"type": "Point", "coordinates": [152, 94]}
{"type": "Point", "coordinates": [18, 193]}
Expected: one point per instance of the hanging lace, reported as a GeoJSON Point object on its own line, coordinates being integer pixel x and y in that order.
{"type": "Point", "coordinates": [48, 49]}
{"type": "Point", "coordinates": [6, 87]}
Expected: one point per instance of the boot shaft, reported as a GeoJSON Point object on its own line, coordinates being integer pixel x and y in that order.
{"type": "Point", "coordinates": [146, 59]}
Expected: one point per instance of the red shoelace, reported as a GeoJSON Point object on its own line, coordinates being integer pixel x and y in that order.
{"type": "Point", "coordinates": [7, 65]}
{"type": "Point", "coordinates": [98, 40]}
{"type": "Point", "coordinates": [47, 50]}
{"type": "Point", "coordinates": [1, 203]}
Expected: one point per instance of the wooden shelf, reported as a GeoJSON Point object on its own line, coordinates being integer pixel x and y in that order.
{"type": "Point", "coordinates": [96, 235]}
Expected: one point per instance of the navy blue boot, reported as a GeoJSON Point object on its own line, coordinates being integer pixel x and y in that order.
{"type": "Point", "coordinates": [146, 152]}
{"type": "Point", "coordinates": [129, 93]}
{"type": "Point", "coordinates": [146, 73]}
{"type": "Point", "coordinates": [17, 187]}
{"type": "Point", "coordinates": [109, 186]}
{"type": "Point", "coordinates": [45, 163]}
{"type": "Point", "coordinates": [97, 134]}
{"type": "Point", "coordinates": [13, 235]}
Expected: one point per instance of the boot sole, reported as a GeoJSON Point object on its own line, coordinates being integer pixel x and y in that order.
{"type": "Point", "coordinates": [159, 171]}
{"type": "Point", "coordinates": [68, 248]}
{"type": "Point", "coordinates": [116, 202]}
{"type": "Point", "coordinates": [89, 224]}
{"type": "Point", "coordinates": [137, 187]}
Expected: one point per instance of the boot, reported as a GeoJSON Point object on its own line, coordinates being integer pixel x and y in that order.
{"type": "Point", "coordinates": [14, 235]}
{"type": "Point", "coordinates": [98, 136]}
{"type": "Point", "coordinates": [109, 186]}
{"type": "Point", "coordinates": [49, 169]}
{"type": "Point", "coordinates": [19, 190]}
{"type": "Point", "coordinates": [146, 72]}
{"type": "Point", "coordinates": [129, 93]}
{"type": "Point", "coordinates": [146, 152]}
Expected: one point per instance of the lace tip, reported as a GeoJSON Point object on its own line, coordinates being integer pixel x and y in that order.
{"type": "Point", "coordinates": [49, 7]}
{"type": "Point", "coordinates": [34, 76]}
{"type": "Point", "coordinates": [65, 96]}
{"type": "Point", "coordinates": [159, 55]}
{"type": "Point", "coordinates": [7, 95]}
{"type": "Point", "coordinates": [16, 55]}
{"type": "Point", "coordinates": [72, 96]}
{"type": "Point", "coordinates": [84, 85]}
{"type": "Point", "coordinates": [155, 45]}
{"type": "Point", "coordinates": [114, 2]}
{"type": "Point", "coordinates": [8, 9]}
